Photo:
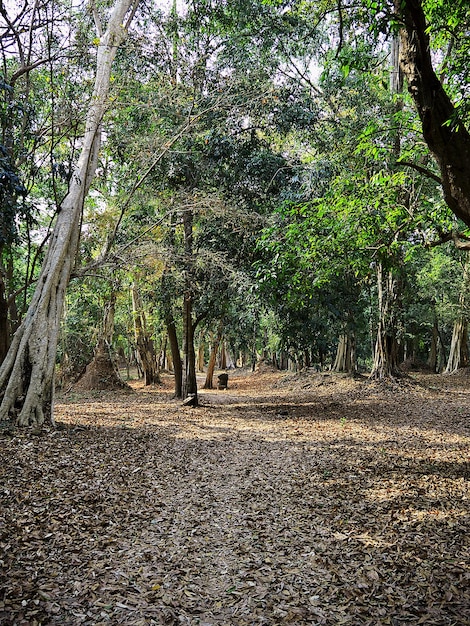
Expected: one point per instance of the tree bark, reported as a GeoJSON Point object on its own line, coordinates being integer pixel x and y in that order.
{"type": "Point", "coordinates": [345, 360]}
{"type": "Point", "coordinates": [200, 354]}
{"type": "Point", "coordinates": [458, 354]}
{"type": "Point", "coordinates": [433, 350]}
{"type": "Point", "coordinates": [437, 355]}
{"type": "Point", "coordinates": [175, 355]}
{"type": "Point", "coordinates": [223, 356]}
{"type": "Point", "coordinates": [27, 373]}
{"type": "Point", "coordinates": [144, 344]}
{"type": "Point", "coordinates": [189, 353]}
{"type": "Point", "coordinates": [4, 322]}
{"type": "Point", "coordinates": [209, 384]}
{"type": "Point", "coordinates": [386, 345]}
{"type": "Point", "coordinates": [445, 135]}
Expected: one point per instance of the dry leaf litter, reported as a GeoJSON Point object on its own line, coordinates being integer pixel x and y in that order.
{"type": "Point", "coordinates": [287, 499]}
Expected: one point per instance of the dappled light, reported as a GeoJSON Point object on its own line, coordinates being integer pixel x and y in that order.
{"type": "Point", "coordinates": [268, 504]}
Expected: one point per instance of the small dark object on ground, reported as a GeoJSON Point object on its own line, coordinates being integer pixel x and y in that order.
{"type": "Point", "coordinates": [223, 381]}
{"type": "Point", "coordinates": [191, 400]}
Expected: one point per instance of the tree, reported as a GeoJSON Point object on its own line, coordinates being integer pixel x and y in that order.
{"type": "Point", "coordinates": [458, 353]}
{"type": "Point", "coordinates": [144, 343]}
{"type": "Point", "coordinates": [208, 383]}
{"type": "Point", "coordinates": [443, 130]}
{"type": "Point", "coordinates": [11, 189]}
{"type": "Point", "coordinates": [27, 373]}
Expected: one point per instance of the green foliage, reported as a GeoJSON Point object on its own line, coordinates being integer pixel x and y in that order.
{"type": "Point", "coordinates": [272, 123]}
{"type": "Point", "coordinates": [11, 192]}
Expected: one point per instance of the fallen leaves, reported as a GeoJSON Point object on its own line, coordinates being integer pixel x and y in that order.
{"type": "Point", "coordinates": [290, 502]}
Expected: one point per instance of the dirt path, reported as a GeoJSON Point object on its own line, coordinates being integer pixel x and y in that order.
{"type": "Point", "coordinates": [305, 499]}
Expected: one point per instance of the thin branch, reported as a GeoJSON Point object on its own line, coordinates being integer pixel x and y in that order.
{"type": "Point", "coordinates": [96, 19]}
{"type": "Point", "coordinates": [30, 31]}
{"type": "Point", "coordinates": [341, 26]}
{"type": "Point", "coordinates": [28, 68]}
{"type": "Point", "coordinates": [131, 14]}
{"type": "Point", "coordinates": [421, 170]}
{"type": "Point", "coordinates": [111, 238]}
{"type": "Point", "coordinates": [15, 33]}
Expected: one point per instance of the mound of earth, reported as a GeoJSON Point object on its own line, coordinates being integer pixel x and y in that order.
{"type": "Point", "coordinates": [101, 373]}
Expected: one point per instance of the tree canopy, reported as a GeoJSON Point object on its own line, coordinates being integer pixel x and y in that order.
{"type": "Point", "coordinates": [259, 167]}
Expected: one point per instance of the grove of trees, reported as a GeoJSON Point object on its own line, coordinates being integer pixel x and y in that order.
{"type": "Point", "coordinates": [272, 179]}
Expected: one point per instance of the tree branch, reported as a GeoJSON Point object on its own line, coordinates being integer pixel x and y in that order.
{"type": "Point", "coordinates": [421, 170]}
{"type": "Point", "coordinates": [340, 15]}
{"type": "Point", "coordinates": [461, 241]}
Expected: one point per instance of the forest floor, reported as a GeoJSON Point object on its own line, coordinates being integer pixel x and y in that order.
{"type": "Point", "coordinates": [303, 499]}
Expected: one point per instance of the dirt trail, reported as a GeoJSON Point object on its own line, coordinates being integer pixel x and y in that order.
{"type": "Point", "coordinates": [307, 499]}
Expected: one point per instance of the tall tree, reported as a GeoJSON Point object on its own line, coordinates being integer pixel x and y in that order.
{"type": "Point", "coordinates": [27, 373]}
{"type": "Point", "coordinates": [443, 129]}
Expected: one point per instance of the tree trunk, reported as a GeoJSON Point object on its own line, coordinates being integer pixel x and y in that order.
{"type": "Point", "coordinates": [458, 355]}
{"type": "Point", "coordinates": [169, 362]}
{"type": "Point", "coordinates": [200, 354]}
{"type": "Point", "coordinates": [27, 373]}
{"type": "Point", "coordinates": [175, 355]}
{"type": "Point", "coordinates": [144, 344]}
{"type": "Point", "coordinates": [345, 360]}
{"type": "Point", "coordinates": [432, 357]}
{"type": "Point", "coordinates": [4, 322]}
{"type": "Point", "coordinates": [162, 360]}
{"type": "Point", "coordinates": [437, 356]}
{"type": "Point", "coordinates": [444, 133]}
{"type": "Point", "coordinates": [189, 353]}
{"type": "Point", "coordinates": [223, 356]}
{"type": "Point", "coordinates": [209, 384]}
{"type": "Point", "coordinates": [386, 345]}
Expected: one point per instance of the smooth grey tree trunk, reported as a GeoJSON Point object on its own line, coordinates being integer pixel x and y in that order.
{"type": "Point", "coordinates": [458, 353]}
{"type": "Point", "coordinates": [27, 373]}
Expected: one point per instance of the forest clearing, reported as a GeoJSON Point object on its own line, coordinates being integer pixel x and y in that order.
{"type": "Point", "coordinates": [308, 498]}
{"type": "Point", "coordinates": [198, 185]}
